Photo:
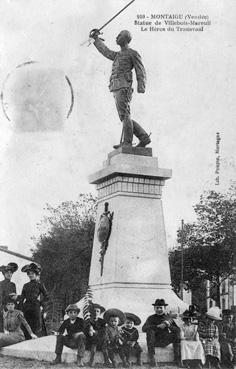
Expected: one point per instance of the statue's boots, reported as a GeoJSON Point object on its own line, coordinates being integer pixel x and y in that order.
{"type": "Point", "coordinates": [131, 127]}
{"type": "Point", "coordinates": [141, 134]}
{"type": "Point", "coordinates": [57, 360]}
{"type": "Point", "coordinates": [127, 133]}
{"type": "Point", "coordinates": [145, 140]}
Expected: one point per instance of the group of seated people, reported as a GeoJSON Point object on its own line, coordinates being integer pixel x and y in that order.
{"type": "Point", "coordinates": [200, 339]}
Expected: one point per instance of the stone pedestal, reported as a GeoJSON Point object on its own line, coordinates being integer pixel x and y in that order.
{"type": "Point", "coordinates": [136, 268]}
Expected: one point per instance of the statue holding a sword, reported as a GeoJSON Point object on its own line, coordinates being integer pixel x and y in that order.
{"type": "Point", "coordinates": [124, 61]}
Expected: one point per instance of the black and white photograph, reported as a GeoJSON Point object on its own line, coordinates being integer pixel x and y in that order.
{"type": "Point", "coordinates": [118, 184]}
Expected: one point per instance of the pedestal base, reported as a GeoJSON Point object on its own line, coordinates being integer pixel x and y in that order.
{"type": "Point", "coordinates": [136, 298]}
{"type": "Point", "coordinates": [43, 349]}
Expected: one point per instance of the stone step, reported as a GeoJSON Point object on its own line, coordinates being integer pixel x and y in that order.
{"type": "Point", "coordinates": [43, 349]}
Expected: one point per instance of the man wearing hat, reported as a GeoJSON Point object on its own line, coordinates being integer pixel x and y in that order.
{"type": "Point", "coordinates": [29, 300]}
{"type": "Point", "coordinates": [161, 330]}
{"type": "Point", "coordinates": [75, 337]}
{"type": "Point", "coordinates": [6, 288]}
{"type": "Point", "coordinates": [95, 331]}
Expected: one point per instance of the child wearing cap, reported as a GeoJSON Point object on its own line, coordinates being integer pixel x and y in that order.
{"type": "Point", "coordinates": [7, 287]}
{"type": "Point", "coordinates": [192, 353]}
{"type": "Point", "coordinates": [113, 339]}
{"type": "Point", "coordinates": [209, 336]}
{"type": "Point", "coordinates": [75, 337]}
{"type": "Point", "coordinates": [95, 331]}
{"type": "Point", "coordinates": [130, 338]}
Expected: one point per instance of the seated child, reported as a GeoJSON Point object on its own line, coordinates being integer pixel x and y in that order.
{"type": "Point", "coordinates": [209, 336]}
{"type": "Point", "coordinates": [75, 337]}
{"type": "Point", "coordinates": [113, 340]}
{"type": "Point", "coordinates": [95, 332]}
{"type": "Point", "coordinates": [130, 338]}
{"type": "Point", "coordinates": [192, 353]}
{"type": "Point", "coordinates": [13, 320]}
{"type": "Point", "coordinates": [228, 339]}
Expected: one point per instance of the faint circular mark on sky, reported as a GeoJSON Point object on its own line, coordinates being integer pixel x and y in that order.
{"type": "Point", "coordinates": [37, 98]}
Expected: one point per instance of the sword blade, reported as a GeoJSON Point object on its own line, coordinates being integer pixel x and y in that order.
{"type": "Point", "coordinates": [109, 21]}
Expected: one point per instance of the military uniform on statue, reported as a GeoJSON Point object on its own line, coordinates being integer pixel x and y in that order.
{"type": "Point", "coordinates": [161, 330]}
{"type": "Point", "coordinates": [121, 84]}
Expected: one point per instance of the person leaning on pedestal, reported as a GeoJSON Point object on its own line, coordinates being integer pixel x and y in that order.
{"type": "Point", "coordinates": [75, 337]}
{"type": "Point", "coordinates": [7, 287]}
{"type": "Point", "coordinates": [161, 330]}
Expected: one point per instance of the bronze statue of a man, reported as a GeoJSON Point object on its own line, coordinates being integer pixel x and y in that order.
{"type": "Point", "coordinates": [121, 84]}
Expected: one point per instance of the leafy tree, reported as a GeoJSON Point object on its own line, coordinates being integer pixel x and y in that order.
{"type": "Point", "coordinates": [64, 249]}
{"type": "Point", "coordinates": [209, 243]}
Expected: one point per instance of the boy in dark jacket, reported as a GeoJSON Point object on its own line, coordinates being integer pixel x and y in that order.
{"type": "Point", "coordinates": [130, 337]}
{"type": "Point", "coordinates": [95, 331]}
{"type": "Point", "coordinates": [75, 337]}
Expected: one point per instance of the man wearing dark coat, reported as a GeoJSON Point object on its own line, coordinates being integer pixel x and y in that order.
{"type": "Point", "coordinates": [161, 330]}
{"type": "Point", "coordinates": [121, 84]}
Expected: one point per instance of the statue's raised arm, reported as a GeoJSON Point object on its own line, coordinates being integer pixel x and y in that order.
{"type": "Point", "coordinates": [121, 79]}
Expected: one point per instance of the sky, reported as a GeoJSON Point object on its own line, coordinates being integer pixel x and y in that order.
{"type": "Point", "coordinates": [47, 158]}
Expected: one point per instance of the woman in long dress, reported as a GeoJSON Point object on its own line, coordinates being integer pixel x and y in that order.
{"type": "Point", "coordinates": [192, 353]}
{"type": "Point", "coordinates": [30, 302]}
{"type": "Point", "coordinates": [13, 319]}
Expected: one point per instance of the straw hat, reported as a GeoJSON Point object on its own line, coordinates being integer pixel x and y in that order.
{"type": "Point", "coordinates": [133, 317]}
{"type": "Point", "coordinates": [114, 313]}
{"type": "Point", "coordinates": [214, 313]}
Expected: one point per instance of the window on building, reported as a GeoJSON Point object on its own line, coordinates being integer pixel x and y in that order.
{"type": "Point", "coordinates": [223, 304]}
{"type": "Point", "coordinates": [223, 287]}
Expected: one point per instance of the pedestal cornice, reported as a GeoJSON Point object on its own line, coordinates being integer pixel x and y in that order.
{"type": "Point", "coordinates": [131, 166]}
